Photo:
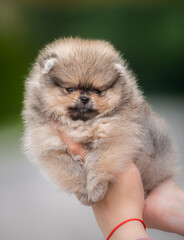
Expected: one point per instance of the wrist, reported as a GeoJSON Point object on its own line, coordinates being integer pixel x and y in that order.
{"type": "Point", "coordinates": [130, 230]}
{"type": "Point", "coordinates": [108, 220]}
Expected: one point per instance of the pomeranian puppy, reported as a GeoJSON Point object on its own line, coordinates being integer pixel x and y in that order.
{"type": "Point", "coordinates": [85, 86]}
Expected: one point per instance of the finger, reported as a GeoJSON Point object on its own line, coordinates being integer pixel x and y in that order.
{"type": "Point", "coordinates": [74, 147]}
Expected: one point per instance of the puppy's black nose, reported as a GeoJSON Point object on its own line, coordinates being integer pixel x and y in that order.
{"type": "Point", "coordinates": [84, 99]}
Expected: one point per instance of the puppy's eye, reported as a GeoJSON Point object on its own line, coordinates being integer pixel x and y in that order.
{"type": "Point", "coordinates": [98, 92]}
{"type": "Point", "coordinates": [70, 90]}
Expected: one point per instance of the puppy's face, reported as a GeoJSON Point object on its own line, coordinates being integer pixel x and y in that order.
{"type": "Point", "coordinates": [81, 86]}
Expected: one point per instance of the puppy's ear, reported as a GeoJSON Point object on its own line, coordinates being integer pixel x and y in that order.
{"type": "Point", "coordinates": [48, 62]}
{"type": "Point", "coordinates": [49, 65]}
{"type": "Point", "coordinates": [120, 69]}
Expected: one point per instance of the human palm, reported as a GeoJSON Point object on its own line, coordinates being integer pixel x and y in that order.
{"type": "Point", "coordinates": [164, 208]}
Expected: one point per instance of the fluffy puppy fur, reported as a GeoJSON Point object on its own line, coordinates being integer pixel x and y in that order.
{"type": "Point", "coordinates": [86, 87]}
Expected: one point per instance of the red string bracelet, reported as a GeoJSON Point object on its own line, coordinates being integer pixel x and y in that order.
{"type": "Point", "coordinates": [128, 220]}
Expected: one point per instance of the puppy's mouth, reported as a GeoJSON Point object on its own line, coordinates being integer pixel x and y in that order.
{"type": "Point", "coordinates": [82, 113]}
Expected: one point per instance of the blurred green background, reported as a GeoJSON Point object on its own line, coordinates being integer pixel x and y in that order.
{"type": "Point", "coordinates": [150, 36]}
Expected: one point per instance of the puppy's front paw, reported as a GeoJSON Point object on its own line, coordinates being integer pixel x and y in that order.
{"type": "Point", "coordinates": [83, 198]}
{"type": "Point", "coordinates": [96, 191]}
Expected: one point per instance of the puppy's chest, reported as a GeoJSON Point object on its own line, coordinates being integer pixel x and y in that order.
{"type": "Point", "coordinates": [90, 135]}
